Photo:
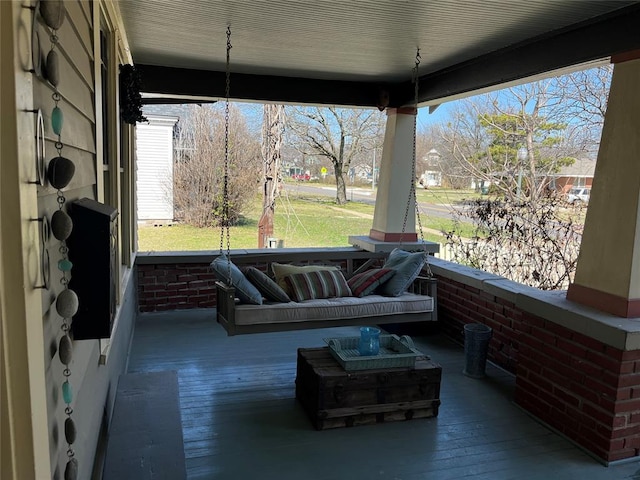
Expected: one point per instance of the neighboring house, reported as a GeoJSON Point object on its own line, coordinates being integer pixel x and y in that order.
{"type": "Point", "coordinates": [579, 174]}
{"type": "Point", "coordinates": [154, 179]}
{"type": "Point", "coordinates": [432, 176]}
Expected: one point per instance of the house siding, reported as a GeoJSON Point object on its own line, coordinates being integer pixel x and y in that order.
{"type": "Point", "coordinates": [30, 312]}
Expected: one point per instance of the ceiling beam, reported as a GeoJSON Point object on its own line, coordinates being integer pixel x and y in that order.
{"type": "Point", "coordinates": [263, 88]}
{"type": "Point", "coordinates": [595, 39]}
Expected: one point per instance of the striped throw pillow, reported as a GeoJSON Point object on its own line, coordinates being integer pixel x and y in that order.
{"type": "Point", "coordinates": [365, 283]}
{"type": "Point", "coordinates": [319, 284]}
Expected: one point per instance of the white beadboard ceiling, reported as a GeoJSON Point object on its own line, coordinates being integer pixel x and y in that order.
{"type": "Point", "coordinates": [353, 40]}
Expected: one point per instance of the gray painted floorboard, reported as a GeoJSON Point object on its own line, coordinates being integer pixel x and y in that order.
{"type": "Point", "coordinates": [241, 421]}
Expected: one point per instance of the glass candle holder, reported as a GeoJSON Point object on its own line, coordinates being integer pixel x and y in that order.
{"type": "Point", "coordinates": [369, 341]}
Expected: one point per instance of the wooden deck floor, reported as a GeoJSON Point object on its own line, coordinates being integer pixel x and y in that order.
{"type": "Point", "coordinates": [241, 420]}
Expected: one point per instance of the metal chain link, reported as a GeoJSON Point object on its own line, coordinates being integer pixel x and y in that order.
{"type": "Point", "coordinates": [224, 232]}
{"type": "Point", "coordinates": [412, 183]}
{"type": "Point", "coordinates": [412, 189]}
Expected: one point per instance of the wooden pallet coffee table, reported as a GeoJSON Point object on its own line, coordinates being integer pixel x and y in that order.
{"type": "Point", "coordinates": [333, 397]}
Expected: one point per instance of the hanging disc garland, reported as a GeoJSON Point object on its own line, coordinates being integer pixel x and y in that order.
{"type": "Point", "coordinates": [60, 173]}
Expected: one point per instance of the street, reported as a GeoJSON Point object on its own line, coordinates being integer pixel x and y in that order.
{"type": "Point", "coordinates": [364, 195]}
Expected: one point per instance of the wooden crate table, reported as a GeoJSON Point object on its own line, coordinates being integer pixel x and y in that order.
{"type": "Point", "coordinates": [333, 397]}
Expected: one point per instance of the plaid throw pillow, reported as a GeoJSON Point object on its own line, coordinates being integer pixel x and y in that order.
{"type": "Point", "coordinates": [320, 284]}
{"type": "Point", "coordinates": [365, 283]}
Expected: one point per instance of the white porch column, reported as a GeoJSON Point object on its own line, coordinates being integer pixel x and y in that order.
{"type": "Point", "coordinates": [608, 271]}
{"type": "Point", "coordinates": [396, 175]}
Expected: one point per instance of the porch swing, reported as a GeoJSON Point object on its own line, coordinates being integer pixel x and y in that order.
{"type": "Point", "coordinates": [323, 296]}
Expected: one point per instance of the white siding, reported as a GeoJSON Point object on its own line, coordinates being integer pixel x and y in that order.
{"type": "Point", "coordinates": [154, 159]}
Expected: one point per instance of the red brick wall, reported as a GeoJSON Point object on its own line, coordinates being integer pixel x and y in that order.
{"type": "Point", "coordinates": [578, 385]}
{"type": "Point", "coordinates": [171, 286]}
{"type": "Point", "coordinates": [175, 286]}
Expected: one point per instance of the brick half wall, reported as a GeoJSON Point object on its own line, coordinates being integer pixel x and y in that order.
{"type": "Point", "coordinates": [581, 386]}
{"type": "Point", "coordinates": [175, 286]}
{"type": "Point", "coordinates": [182, 280]}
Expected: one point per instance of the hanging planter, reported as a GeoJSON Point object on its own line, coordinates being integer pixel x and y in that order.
{"type": "Point", "coordinates": [130, 97]}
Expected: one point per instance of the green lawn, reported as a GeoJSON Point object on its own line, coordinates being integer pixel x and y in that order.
{"type": "Point", "coordinates": [299, 222]}
{"type": "Point", "coordinates": [444, 195]}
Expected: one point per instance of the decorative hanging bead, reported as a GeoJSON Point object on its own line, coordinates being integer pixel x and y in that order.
{"type": "Point", "coordinates": [67, 303]}
{"type": "Point", "coordinates": [67, 392]}
{"type": "Point", "coordinates": [60, 172]}
{"type": "Point", "coordinates": [57, 120]}
{"type": "Point", "coordinates": [65, 265]}
{"type": "Point", "coordinates": [61, 225]}
{"type": "Point", "coordinates": [70, 431]}
{"type": "Point", "coordinates": [71, 470]}
{"type": "Point", "coordinates": [52, 68]}
{"type": "Point", "coordinates": [52, 12]}
{"type": "Point", "coordinates": [65, 350]}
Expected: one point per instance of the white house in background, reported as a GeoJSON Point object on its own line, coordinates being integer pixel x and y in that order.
{"type": "Point", "coordinates": [432, 176]}
{"type": "Point", "coordinates": [154, 176]}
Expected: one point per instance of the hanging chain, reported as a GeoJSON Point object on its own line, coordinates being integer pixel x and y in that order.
{"type": "Point", "coordinates": [412, 188]}
{"type": "Point", "coordinates": [416, 83]}
{"type": "Point", "coordinates": [412, 183]}
{"type": "Point", "coordinates": [224, 232]}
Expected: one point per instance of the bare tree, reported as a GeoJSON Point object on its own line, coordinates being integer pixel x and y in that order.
{"type": "Point", "coordinates": [536, 247]}
{"type": "Point", "coordinates": [518, 138]}
{"type": "Point", "coordinates": [272, 131]}
{"type": "Point", "coordinates": [338, 134]}
{"type": "Point", "coordinates": [585, 95]}
{"type": "Point", "coordinates": [525, 235]}
{"type": "Point", "coordinates": [199, 166]}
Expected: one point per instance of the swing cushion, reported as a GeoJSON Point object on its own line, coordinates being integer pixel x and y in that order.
{"type": "Point", "coordinates": [245, 291]}
{"type": "Point", "coordinates": [363, 284]}
{"type": "Point", "coordinates": [267, 287]}
{"type": "Point", "coordinates": [407, 267]}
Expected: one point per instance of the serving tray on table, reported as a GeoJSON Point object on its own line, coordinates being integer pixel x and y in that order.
{"type": "Point", "coordinates": [395, 352]}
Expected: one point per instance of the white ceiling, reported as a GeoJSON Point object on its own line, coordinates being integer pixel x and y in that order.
{"type": "Point", "coordinates": [352, 40]}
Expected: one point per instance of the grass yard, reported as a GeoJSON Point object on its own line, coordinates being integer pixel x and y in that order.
{"type": "Point", "coordinates": [299, 222]}
{"type": "Point", "coordinates": [444, 196]}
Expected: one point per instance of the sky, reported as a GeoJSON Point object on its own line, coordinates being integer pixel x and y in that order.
{"type": "Point", "coordinates": [441, 114]}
